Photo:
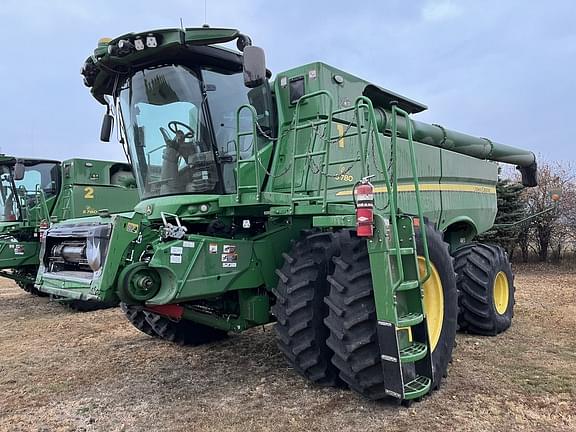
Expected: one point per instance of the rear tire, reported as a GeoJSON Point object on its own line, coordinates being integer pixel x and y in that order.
{"type": "Point", "coordinates": [300, 309]}
{"type": "Point", "coordinates": [478, 267]}
{"type": "Point", "coordinates": [183, 332]}
{"type": "Point", "coordinates": [352, 318]}
{"type": "Point", "coordinates": [137, 317]}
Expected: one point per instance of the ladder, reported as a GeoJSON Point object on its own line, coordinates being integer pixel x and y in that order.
{"type": "Point", "coordinates": [398, 286]}
{"type": "Point", "coordinates": [66, 202]}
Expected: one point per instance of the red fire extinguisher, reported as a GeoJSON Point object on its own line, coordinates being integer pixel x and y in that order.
{"type": "Point", "coordinates": [364, 202]}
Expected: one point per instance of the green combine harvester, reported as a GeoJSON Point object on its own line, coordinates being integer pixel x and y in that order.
{"type": "Point", "coordinates": [37, 193]}
{"type": "Point", "coordinates": [312, 200]}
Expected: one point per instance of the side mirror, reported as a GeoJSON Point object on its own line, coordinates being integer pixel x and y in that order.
{"type": "Point", "coordinates": [19, 170]}
{"type": "Point", "coordinates": [107, 125]}
{"type": "Point", "coordinates": [254, 64]}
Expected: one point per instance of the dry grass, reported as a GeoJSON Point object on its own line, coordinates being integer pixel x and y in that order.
{"type": "Point", "coordinates": [63, 371]}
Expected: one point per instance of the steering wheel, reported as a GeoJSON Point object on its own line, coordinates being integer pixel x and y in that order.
{"type": "Point", "coordinates": [173, 126]}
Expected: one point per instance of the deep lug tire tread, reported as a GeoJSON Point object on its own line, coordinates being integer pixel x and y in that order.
{"type": "Point", "coordinates": [352, 317]}
{"type": "Point", "coordinates": [300, 309]}
{"type": "Point", "coordinates": [183, 332]}
{"type": "Point", "coordinates": [476, 265]}
{"type": "Point", "coordinates": [137, 317]}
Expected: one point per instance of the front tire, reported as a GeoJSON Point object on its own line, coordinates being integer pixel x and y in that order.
{"type": "Point", "coordinates": [300, 309]}
{"type": "Point", "coordinates": [486, 286]}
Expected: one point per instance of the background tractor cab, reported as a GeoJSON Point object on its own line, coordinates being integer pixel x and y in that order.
{"type": "Point", "coordinates": [28, 188]}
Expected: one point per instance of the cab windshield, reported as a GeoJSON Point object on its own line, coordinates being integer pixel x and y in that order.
{"type": "Point", "coordinates": [180, 126]}
{"type": "Point", "coordinates": [18, 196]}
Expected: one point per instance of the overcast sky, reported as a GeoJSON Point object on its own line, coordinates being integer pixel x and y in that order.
{"type": "Point", "coordinates": [498, 69]}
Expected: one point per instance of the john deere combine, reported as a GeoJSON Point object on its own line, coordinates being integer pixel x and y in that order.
{"type": "Point", "coordinates": [313, 200]}
{"type": "Point", "coordinates": [37, 193]}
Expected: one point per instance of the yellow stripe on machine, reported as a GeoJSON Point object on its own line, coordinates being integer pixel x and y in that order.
{"type": "Point", "coordinates": [434, 187]}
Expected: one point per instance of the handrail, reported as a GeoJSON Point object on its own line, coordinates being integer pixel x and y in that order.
{"type": "Point", "coordinates": [43, 205]}
{"type": "Point", "coordinates": [363, 101]}
{"type": "Point", "coordinates": [254, 134]}
{"type": "Point", "coordinates": [325, 154]}
{"type": "Point", "coordinates": [395, 111]}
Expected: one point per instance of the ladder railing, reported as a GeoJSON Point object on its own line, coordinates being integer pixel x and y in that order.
{"type": "Point", "coordinates": [41, 201]}
{"type": "Point", "coordinates": [325, 153]}
{"type": "Point", "coordinates": [257, 187]}
{"type": "Point", "coordinates": [66, 201]}
{"type": "Point", "coordinates": [414, 169]}
{"type": "Point", "coordinates": [391, 184]}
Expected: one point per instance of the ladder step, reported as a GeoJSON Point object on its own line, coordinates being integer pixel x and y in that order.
{"type": "Point", "coordinates": [417, 387]}
{"type": "Point", "coordinates": [307, 198]}
{"type": "Point", "coordinates": [310, 154]}
{"type": "Point", "coordinates": [403, 251]}
{"type": "Point", "coordinates": [410, 319]}
{"type": "Point", "coordinates": [413, 352]}
{"type": "Point", "coordinates": [408, 285]}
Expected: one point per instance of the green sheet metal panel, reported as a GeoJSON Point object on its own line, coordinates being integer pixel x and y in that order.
{"type": "Point", "coordinates": [468, 191]}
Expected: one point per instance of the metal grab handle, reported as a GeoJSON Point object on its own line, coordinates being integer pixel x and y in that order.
{"type": "Point", "coordinates": [43, 205]}
{"type": "Point", "coordinates": [325, 155]}
{"type": "Point", "coordinates": [240, 134]}
{"type": "Point", "coordinates": [363, 103]}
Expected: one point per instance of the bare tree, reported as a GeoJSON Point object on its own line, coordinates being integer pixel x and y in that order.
{"type": "Point", "coordinates": [552, 230]}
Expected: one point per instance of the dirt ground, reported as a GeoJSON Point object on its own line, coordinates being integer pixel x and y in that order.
{"type": "Point", "coordinates": [65, 371]}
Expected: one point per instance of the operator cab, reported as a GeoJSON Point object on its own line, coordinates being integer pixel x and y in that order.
{"type": "Point", "coordinates": [21, 180]}
{"type": "Point", "coordinates": [178, 120]}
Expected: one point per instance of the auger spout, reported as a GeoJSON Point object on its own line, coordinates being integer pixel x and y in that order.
{"type": "Point", "coordinates": [481, 148]}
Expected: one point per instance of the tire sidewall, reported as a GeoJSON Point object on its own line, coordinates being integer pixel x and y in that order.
{"type": "Point", "coordinates": [501, 264]}
{"type": "Point", "coordinates": [440, 257]}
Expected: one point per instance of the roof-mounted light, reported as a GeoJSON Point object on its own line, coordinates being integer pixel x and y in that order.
{"type": "Point", "coordinates": [139, 44]}
{"type": "Point", "coordinates": [122, 48]}
{"type": "Point", "coordinates": [151, 41]}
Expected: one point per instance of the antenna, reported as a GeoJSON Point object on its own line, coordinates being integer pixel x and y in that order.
{"type": "Point", "coordinates": [181, 24]}
{"type": "Point", "coordinates": [205, 8]}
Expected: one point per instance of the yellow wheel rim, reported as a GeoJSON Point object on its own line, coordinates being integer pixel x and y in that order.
{"type": "Point", "coordinates": [501, 293]}
{"type": "Point", "coordinates": [433, 302]}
